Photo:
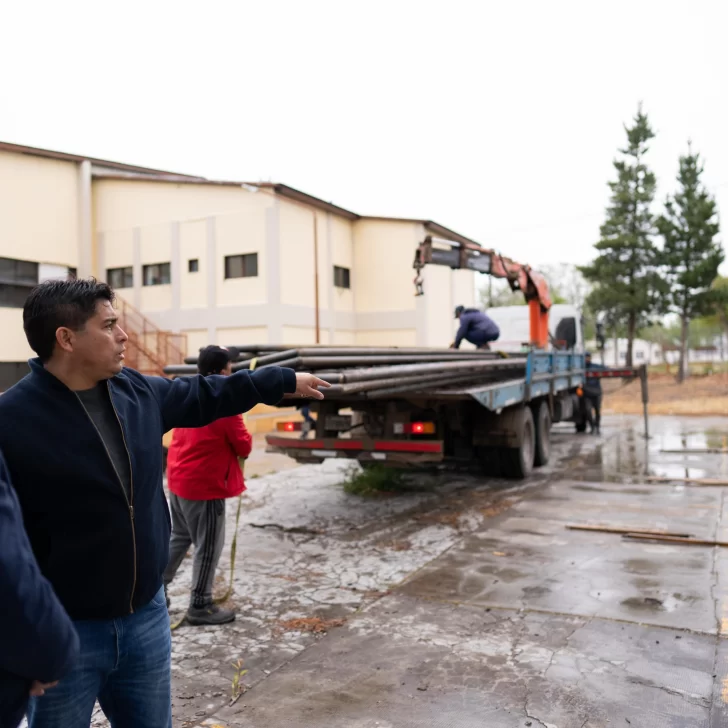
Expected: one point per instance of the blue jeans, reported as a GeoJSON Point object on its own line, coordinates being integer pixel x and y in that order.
{"type": "Point", "coordinates": [126, 664]}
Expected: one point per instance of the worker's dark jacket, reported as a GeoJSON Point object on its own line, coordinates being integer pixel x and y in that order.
{"type": "Point", "coordinates": [476, 327]}
{"type": "Point", "coordinates": [104, 556]}
{"type": "Point", "coordinates": [37, 638]}
{"type": "Point", "coordinates": [593, 387]}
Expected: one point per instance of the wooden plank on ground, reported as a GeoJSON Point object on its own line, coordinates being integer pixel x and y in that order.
{"type": "Point", "coordinates": [716, 482]}
{"type": "Point", "coordinates": [623, 530]}
{"type": "Point", "coordinates": [697, 451]}
{"type": "Point", "coordinates": [676, 540]}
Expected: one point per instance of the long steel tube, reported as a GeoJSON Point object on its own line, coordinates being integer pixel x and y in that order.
{"type": "Point", "coordinates": [251, 352]}
{"type": "Point", "coordinates": [364, 373]}
{"type": "Point", "coordinates": [406, 387]}
{"type": "Point", "coordinates": [405, 370]}
{"type": "Point", "coordinates": [317, 362]}
{"type": "Point", "coordinates": [272, 358]}
{"type": "Point", "coordinates": [411, 382]}
{"type": "Point", "coordinates": [396, 382]}
{"type": "Point", "coordinates": [314, 362]}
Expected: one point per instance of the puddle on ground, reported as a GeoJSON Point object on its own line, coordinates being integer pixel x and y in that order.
{"type": "Point", "coordinates": [631, 455]}
{"type": "Point", "coordinates": [658, 604]}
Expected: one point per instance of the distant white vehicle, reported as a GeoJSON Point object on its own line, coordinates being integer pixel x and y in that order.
{"type": "Point", "coordinates": [514, 324]}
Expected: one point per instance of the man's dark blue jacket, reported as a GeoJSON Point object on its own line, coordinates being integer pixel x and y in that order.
{"type": "Point", "coordinates": [476, 327]}
{"type": "Point", "coordinates": [593, 386]}
{"type": "Point", "coordinates": [104, 556]}
{"type": "Point", "coordinates": [37, 639]}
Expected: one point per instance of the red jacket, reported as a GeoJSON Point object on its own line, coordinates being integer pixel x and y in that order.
{"type": "Point", "coordinates": [202, 463]}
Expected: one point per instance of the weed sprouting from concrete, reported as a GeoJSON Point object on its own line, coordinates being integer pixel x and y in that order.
{"type": "Point", "coordinates": [238, 688]}
{"type": "Point", "coordinates": [376, 480]}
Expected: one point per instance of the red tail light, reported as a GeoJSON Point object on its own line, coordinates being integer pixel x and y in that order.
{"type": "Point", "coordinates": [414, 428]}
{"type": "Point", "coordinates": [289, 426]}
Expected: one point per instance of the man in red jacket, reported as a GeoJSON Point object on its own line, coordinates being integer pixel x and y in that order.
{"type": "Point", "coordinates": [202, 471]}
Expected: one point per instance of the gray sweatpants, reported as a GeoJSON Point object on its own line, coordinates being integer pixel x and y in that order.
{"type": "Point", "coordinates": [201, 523]}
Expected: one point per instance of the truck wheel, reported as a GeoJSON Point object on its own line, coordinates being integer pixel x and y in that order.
{"type": "Point", "coordinates": [543, 435]}
{"type": "Point", "coordinates": [518, 461]}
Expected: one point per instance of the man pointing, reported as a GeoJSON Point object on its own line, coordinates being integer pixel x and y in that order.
{"type": "Point", "coordinates": [82, 437]}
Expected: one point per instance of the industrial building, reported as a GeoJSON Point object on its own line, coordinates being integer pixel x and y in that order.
{"type": "Point", "coordinates": [196, 261]}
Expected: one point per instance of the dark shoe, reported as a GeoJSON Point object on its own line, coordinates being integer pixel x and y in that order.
{"type": "Point", "coordinates": [209, 615]}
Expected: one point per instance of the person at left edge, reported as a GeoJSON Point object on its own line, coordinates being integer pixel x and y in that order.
{"type": "Point", "coordinates": [82, 436]}
{"type": "Point", "coordinates": [38, 644]}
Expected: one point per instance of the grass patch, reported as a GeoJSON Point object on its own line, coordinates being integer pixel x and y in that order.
{"type": "Point", "coordinates": [376, 480]}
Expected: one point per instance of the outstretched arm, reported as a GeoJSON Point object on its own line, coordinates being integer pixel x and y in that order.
{"type": "Point", "coordinates": [198, 401]}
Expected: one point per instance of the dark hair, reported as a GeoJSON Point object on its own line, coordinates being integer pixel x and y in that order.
{"type": "Point", "coordinates": [213, 359]}
{"type": "Point", "coordinates": [53, 304]}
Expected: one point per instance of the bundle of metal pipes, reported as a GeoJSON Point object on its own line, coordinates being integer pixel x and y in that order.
{"type": "Point", "coordinates": [375, 372]}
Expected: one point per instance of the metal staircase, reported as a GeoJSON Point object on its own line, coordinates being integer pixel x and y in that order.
{"type": "Point", "coordinates": [149, 349]}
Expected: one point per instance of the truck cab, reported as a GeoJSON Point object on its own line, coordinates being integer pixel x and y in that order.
{"type": "Point", "coordinates": [565, 328]}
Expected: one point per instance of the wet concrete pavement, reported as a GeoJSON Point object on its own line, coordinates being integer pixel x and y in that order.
{"type": "Point", "coordinates": [470, 603]}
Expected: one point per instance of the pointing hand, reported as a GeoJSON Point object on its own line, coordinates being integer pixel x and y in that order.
{"type": "Point", "coordinates": [307, 386]}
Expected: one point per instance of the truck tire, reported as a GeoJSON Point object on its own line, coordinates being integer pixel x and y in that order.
{"type": "Point", "coordinates": [543, 434]}
{"type": "Point", "coordinates": [518, 461]}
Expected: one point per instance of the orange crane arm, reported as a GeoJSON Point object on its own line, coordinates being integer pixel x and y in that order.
{"type": "Point", "coordinates": [520, 277]}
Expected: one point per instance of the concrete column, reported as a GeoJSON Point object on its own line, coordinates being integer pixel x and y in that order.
{"type": "Point", "coordinates": [101, 257]}
{"type": "Point", "coordinates": [273, 269]}
{"type": "Point", "coordinates": [176, 274]}
{"type": "Point", "coordinates": [329, 278]}
{"type": "Point", "coordinates": [211, 280]}
{"type": "Point", "coordinates": [85, 226]}
{"type": "Point", "coordinates": [420, 302]}
{"type": "Point", "coordinates": [137, 266]}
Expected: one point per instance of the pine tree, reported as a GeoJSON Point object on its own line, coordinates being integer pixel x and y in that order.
{"type": "Point", "coordinates": [626, 285]}
{"type": "Point", "coordinates": [691, 254]}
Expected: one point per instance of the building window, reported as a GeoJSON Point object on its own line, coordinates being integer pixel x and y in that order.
{"type": "Point", "coordinates": [17, 280]}
{"type": "Point", "coordinates": [241, 266]}
{"type": "Point", "coordinates": [193, 265]}
{"type": "Point", "coordinates": [342, 277]}
{"type": "Point", "coordinates": [639, 355]}
{"type": "Point", "coordinates": [156, 274]}
{"type": "Point", "coordinates": [120, 277]}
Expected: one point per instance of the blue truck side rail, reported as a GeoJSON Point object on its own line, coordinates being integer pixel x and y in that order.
{"type": "Point", "coordinates": [547, 373]}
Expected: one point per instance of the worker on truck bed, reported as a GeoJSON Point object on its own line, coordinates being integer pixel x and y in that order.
{"type": "Point", "coordinates": [202, 471]}
{"type": "Point", "coordinates": [475, 327]}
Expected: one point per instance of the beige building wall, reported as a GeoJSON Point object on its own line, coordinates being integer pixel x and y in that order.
{"type": "Point", "coordinates": [238, 234]}
{"type": "Point", "coordinates": [196, 339]}
{"type": "Point", "coordinates": [384, 297]}
{"type": "Point", "coordinates": [393, 337]}
{"type": "Point", "coordinates": [39, 209]}
{"type": "Point", "coordinates": [125, 204]}
{"type": "Point", "coordinates": [383, 255]}
{"type": "Point", "coordinates": [39, 222]}
{"type": "Point", "coordinates": [241, 336]}
{"type": "Point", "coordinates": [300, 335]}
{"type": "Point", "coordinates": [342, 254]}
{"type": "Point", "coordinates": [193, 239]}
{"type": "Point", "coordinates": [296, 226]}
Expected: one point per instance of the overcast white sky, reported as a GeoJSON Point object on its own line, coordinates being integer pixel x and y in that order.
{"type": "Point", "coordinates": [497, 119]}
